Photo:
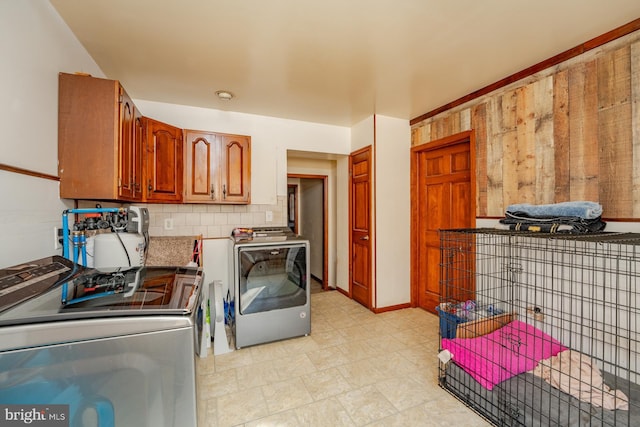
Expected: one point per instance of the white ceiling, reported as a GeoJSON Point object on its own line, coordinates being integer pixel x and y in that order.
{"type": "Point", "coordinates": [328, 61]}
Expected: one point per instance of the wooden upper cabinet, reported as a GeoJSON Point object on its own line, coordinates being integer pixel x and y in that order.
{"type": "Point", "coordinates": [164, 163]}
{"type": "Point", "coordinates": [98, 153]}
{"type": "Point", "coordinates": [235, 164]}
{"type": "Point", "coordinates": [108, 151]}
{"type": "Point", "coordinates": [217, 168]}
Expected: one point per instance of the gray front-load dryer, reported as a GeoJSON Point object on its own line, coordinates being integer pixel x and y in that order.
{"type": "Point", "coordinates": [271, 284]}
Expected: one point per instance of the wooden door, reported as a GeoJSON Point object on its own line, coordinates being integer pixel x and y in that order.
{"type": "Point", "coordinates": [360, 223]}
{"type": "Point", "coordinates": [163, 169]}
{"type": "Point", "coordinates": [443, 197]}
{"type": "Point", "coordinates": [235, 160]}
{"type": "Point", "coordinates": [201, 154]}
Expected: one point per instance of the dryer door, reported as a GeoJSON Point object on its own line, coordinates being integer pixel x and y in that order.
{"type": "Point", "coordinates": [271, 278]}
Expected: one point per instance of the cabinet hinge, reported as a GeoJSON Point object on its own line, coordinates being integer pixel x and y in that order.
{"type": "Point", "coordinates": [120, 99]}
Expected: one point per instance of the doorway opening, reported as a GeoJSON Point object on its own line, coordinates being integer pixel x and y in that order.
{"type": "Point", "coordinates": [307, 201]}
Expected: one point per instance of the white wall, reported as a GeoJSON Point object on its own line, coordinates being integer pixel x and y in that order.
{"type": "Point", "coordinates": [36, 45]}
{"type": "Point", "coordinates": [342, 226]}
{"type": "Point", "coordinates": [393, 216]}
{"type": "Point", "coordinates": [362, 134]}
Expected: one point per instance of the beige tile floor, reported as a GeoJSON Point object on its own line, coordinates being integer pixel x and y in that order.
{"type": "Point", "coordinates": [355, 369]}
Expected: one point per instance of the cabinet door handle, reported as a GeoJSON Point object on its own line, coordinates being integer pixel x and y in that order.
{"type": "Point", "coordinates": [224, 191]}
{"type": "Point", "coordinates": [213, 193]}
{"type": "Point", "coordinates": [150, 188]}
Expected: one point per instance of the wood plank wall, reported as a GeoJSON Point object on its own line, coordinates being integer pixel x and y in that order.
{"type": "Point", "coordinates": [571, 132]}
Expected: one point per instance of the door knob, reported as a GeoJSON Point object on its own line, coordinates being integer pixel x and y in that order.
{"type": "Point", "coordinates": [364, 238]}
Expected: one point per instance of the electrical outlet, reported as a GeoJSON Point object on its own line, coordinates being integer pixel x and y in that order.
{"type": "Point", "coordinates": [269, 216]}
{"type": "Point", "coordinates": [168, 224]}
{"type": "Point", "coordinates": [57, 236]}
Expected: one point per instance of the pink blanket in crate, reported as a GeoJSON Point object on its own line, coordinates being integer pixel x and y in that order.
{"type": "Point", "coordinates": [511, 350]}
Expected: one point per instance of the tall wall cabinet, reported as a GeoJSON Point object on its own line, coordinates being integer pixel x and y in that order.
{"type": "Point", "coordinates": [99, 154]}
{"type": "Point", "coordinates": [108, 151]}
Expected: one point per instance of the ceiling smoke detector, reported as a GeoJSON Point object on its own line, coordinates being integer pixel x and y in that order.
{"type": "Point", "coordinates": [225, 95]}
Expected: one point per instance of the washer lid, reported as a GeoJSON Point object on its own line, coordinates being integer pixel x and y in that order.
{"type": "Point", "coordinates": [91, 293]}
{"type": "Point", "coordinates": [25, 281]}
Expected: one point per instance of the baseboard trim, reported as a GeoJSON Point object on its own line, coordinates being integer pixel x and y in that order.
{"type": "Point", "coordinates": [378, 310]}
{"type": "Point", "coordinates": [391, 308]}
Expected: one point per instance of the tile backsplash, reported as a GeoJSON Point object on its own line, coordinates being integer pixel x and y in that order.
{"type": "Point", "coordinates": [212, 220]}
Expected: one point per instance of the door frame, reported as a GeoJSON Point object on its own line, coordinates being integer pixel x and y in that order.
{"type": "Point", "coordinates": [416, 203]}
{"type": "Point", "coordinates": [325, 221]}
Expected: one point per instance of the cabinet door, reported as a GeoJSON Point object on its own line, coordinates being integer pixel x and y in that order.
{"type": "Point", "coordinates": [235, 164]}
{"type": "Point", "coordinates": [127, 148]}
{"type": "Point", "coordinates": [201, 174]}
{"type": "Point", "coordinates": [138, 163]}
{"type": "Point", "coordinates": [163, 168]}
{"type": "Point", "coordinates": [89, 113]}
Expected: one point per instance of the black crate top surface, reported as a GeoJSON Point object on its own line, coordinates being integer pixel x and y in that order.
{"type": "Point", "coordinates": [600, 237]}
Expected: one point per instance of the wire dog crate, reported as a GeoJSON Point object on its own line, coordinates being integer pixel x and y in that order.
{"type": "Point", "coordinates": [541, 329]}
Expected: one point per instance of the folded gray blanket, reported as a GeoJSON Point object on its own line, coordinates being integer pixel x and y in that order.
{"type": "Point", "coordinates": [577, 209]}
